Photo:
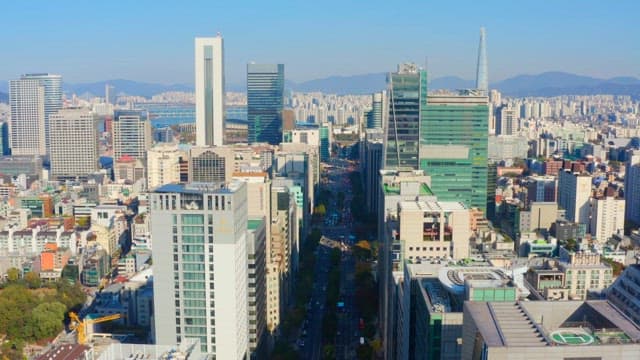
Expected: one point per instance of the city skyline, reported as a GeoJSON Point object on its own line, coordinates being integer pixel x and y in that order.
{"type": "Point", "coordinates": [315, 42]}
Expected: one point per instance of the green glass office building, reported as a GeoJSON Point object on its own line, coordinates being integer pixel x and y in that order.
{"type": "Point", "coordinates": [265, 90]}
{"type": "Point", "coordinates": [407, 93]}
{"type": "Point", "coordinates": [453, 147]}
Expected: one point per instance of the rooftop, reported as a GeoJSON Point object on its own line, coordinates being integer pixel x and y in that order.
{"type": "Point", "coordinates": [200, 188]}
{"type": "Point", "coordinates": [253, 224]}
{"type": "Point", "coordinates": [558, 323]}
{"type": "Point", "coordinates": [65, 352]}
{"type": "Point", "coordinates": [432, 206]}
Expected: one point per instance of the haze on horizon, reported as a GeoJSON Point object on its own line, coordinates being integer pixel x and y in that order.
{"type": "Point", "coordinates": [153, 41]}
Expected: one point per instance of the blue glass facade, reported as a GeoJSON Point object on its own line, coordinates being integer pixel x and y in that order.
{"type": "Point", "coordinates": [265, 89]}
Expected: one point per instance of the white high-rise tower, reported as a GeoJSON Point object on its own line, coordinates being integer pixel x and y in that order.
{"type": "Point", "coordinates": [209, 70]}
{"type": "Point", "coordinates": [482, 75]}
{"type": "Point", "coordinates": [33, 98]}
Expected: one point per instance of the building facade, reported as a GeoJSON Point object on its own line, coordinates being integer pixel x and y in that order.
{"type": "Point", "coordinates": [74, 144]}
{"type": "Point", "coordinates": [265, 90]}
{"type": "Point", "coordinates": [407, 93]}
{"type": "Point", "coordinates": [200, 266]}
{"type": "Point", "coordinates": [209, 72]}
{"type": "Point", "coordinates": [453, 147]}
{"type": "Point", "coordinates": [33, 99]}
{"type": "Point", "coordinates": [574, 192]}
{"type": "Point", "coordinates": [26, 98]}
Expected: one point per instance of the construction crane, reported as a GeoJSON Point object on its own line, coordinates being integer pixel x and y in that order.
{"type": "Point", "coordinates": [84, 327]}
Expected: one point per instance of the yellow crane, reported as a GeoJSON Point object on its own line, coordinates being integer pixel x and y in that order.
{"type": "Point", "coordinates": [84, 327]}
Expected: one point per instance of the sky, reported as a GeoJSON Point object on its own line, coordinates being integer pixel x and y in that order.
{"type": "Point", "coordinates": [153, 41]}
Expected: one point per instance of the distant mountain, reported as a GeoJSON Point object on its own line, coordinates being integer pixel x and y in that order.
{"type": "Point", "coordinates": [121, 86]}
{"type": "Point", "coordinates": [561, 83]}
{"type": "Point", "coordinates": [450, 83]}
{"type": "Point", "coordinates": [367, 84]}
{"type": "Point", "coordinates": [4, 98]}
{"type": "Point", "coordinates": [355, 84]}
{"type": "Point", "coordinates": [545, 84]}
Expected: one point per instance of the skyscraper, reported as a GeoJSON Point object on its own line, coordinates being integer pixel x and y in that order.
{"type": "Point", "coordinates": [453, 147]}
{"type": "Point", "coordinates": [131, 139]}
{"type": "Point", "coordinates": [74, 144]}
{"type": "Point", "coordinates": [27, 117]}
{"type": "Point", "coordinates": [201, 267]}
{"type": "Point", "coordinates": [632, 187]}
{"type": "Point", "coordinates": [209, 70]}
{"type": "Point", "coordinates": [574, 192]}
{"type": "Point", "coordinates": [265, 89]}
{"type": "Point", "coordinates": [482, 76]}
{"type": "Point", "coordinates": [378, 110]}
{"type": "Point", "coordinates": [52, 85]}
{"type": "Point", "coordinates": [506, 120]}
{"type": "Point", "coordinates": [407, 94]}
{"type": "Point", "coordinates": [4, 138]}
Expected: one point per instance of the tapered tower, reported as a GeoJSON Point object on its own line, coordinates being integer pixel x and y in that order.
{"type": "Point", "coordinates": [482, 75]}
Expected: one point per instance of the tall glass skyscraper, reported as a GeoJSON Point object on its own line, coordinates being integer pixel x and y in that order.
{"type": "Point", "coordinates": [209, 70]}
{"type": "Point", "coordinates": [375, 117]}
{"type": "Point", "coordinates": [453, 150]}
{"type": "Point", "coordinates": [407, 94]}
{"type": "Point", "coordinates": [265, 90]}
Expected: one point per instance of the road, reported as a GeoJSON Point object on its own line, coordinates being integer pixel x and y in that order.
{"type": "Point", "coordinates": [310, 344]}
{"type": "Point", "coordinates": [339, 229]}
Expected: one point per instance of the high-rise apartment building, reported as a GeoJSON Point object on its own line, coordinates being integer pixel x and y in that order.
{"type": "Point", "coordinates": [574, 192]}
{"type": "Point", "coordinates": [632, 187]}
{"type": "Point", "coordinates": [200, 266]}
{"type": "Point", "coordinates": [265, 90]}
{"type": "Point", "coordinates": [607, 218]}
{"type": "Point", "coordinates": [453, 147]}
{"type": "Point", "coordinates": [209, 70]}
{"type": "Point", "coordinates": [33, 98]}
{"type": "Point", "coordinates": [74, 144]}
{"type": "Point", "coordinates": [407, 93]}
{"type": "Point", "coordinates": [132, 138]}
{"type": "Point", "coordinates": [506, 120]}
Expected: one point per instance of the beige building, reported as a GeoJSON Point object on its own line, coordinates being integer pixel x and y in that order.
{"type": "Point", "coordinates": [163, 165]}
{"type": "Point", "coordinates": [211, 164]}
{"type": "Point", "coordinates": [539, 216]}
{"type": "Point", "coordinates": [434, 229]}
{"type": "Point", "coordinates": [607, 218]}
{"type": "Point", "coordinates": [74, 144]}
{"type": "Point", "coordinates": [584, 272]}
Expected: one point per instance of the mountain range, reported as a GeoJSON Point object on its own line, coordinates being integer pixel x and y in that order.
{"type": "Point", "coordinates": [545, 84]}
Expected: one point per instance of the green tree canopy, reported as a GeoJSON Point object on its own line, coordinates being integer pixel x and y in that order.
{"type": "Point", "coordinates": [33, 280]}
{"type": "Point", "coordinates": [13, 274]}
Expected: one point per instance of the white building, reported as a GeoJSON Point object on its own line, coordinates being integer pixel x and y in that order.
{"type": "Point", "coordinates": [74, 144]}
{"type": "Point", "coordinates": [163, 165]}
{"type": "Point", "coordinates": [200, 266]}
{"type": "Point", "coordinates": [209, 70]}
{"type": "Point", "coordinates": [607, 218]}
{"type": "Point", "coordinates": [33, 99]}
{"type": "Point", "coordinates": [574, 192]}
{"type": "Point", "coordinates": [27, 127]}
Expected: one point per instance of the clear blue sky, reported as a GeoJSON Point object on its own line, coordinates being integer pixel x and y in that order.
{"type": "Point", "coordinates": [152, 41]}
